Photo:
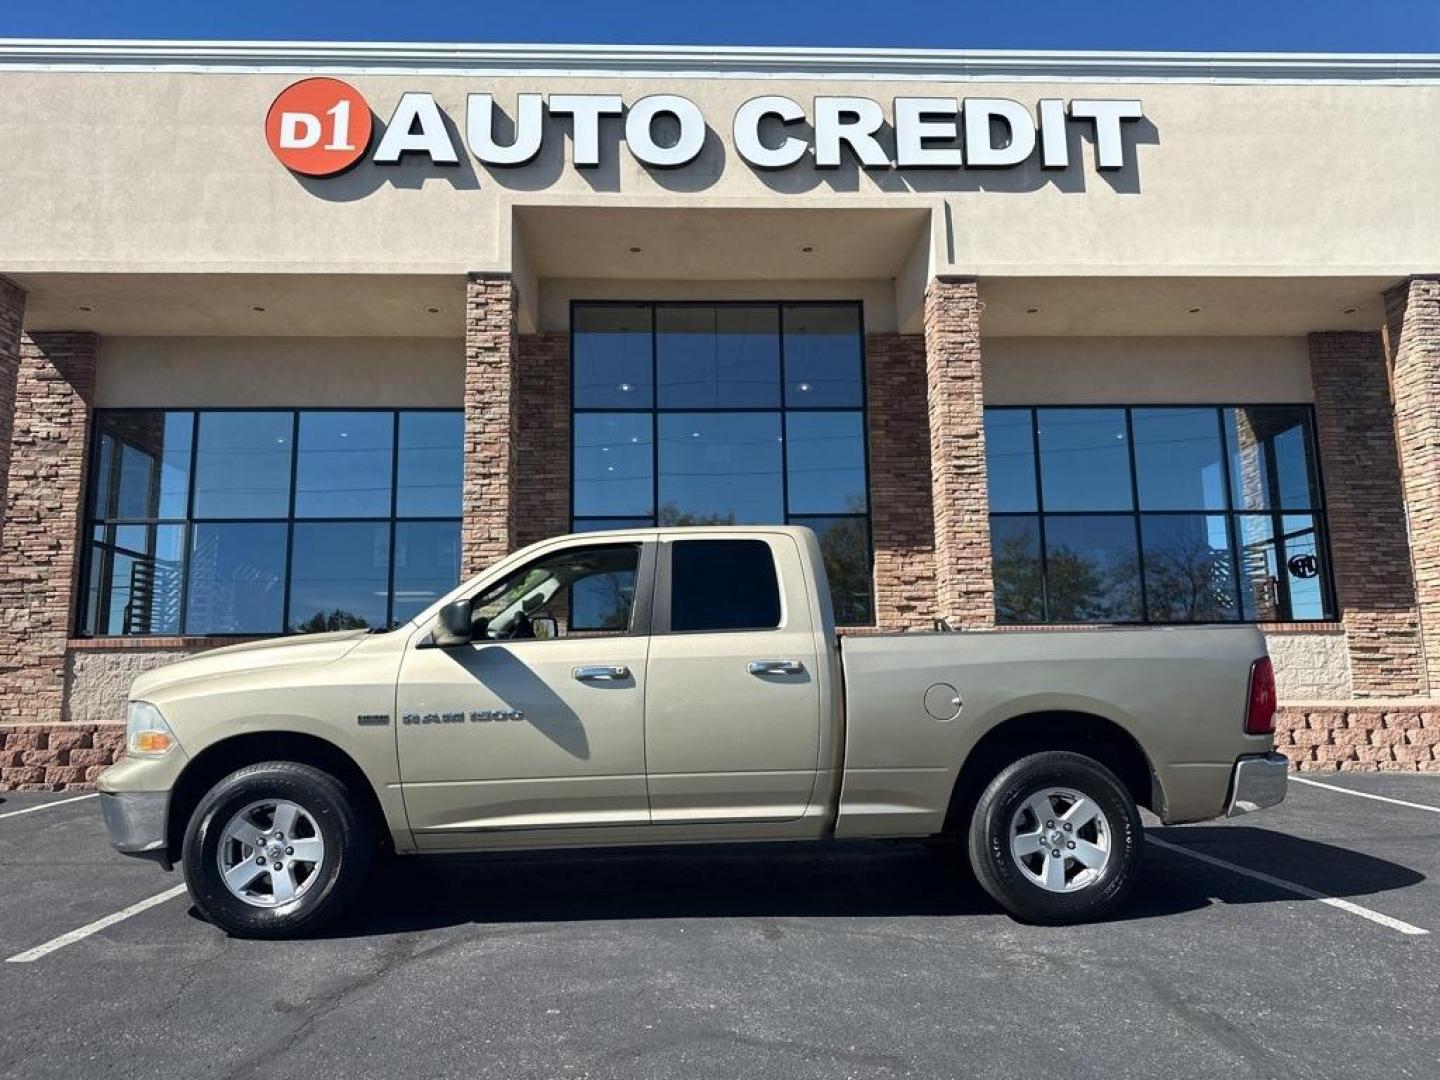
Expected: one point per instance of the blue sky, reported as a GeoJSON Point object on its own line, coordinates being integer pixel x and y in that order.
{"type": "Point", "coordinates": [1196, 25]}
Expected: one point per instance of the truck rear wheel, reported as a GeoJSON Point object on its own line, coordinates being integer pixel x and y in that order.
{"type": "Point", "coordinates": [275, 850]}
{"type": "Point", "coordinates": [1056, 838]}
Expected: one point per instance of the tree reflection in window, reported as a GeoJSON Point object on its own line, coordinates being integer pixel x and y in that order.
{"type": "Point", "coordinates": [1224, 520]}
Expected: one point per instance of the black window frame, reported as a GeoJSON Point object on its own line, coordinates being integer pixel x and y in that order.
{"type": "Point", "coordinates": [1231, 512]}
{"type": "Point", "coordinates": [781, 410]}
{"type": "Point", "coordinates": [91, 520]}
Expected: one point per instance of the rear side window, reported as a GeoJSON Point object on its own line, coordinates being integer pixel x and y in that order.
{"type": "Point", "coordinates": [723, 585]}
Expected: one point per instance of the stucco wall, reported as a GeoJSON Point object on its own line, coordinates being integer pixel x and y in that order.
{"type": "Point", "coordinates": [288, 372]}
{"type": "Point", "coordinates": [173, 173]}
{"type": "Point", "coordinates": [1142, 370]}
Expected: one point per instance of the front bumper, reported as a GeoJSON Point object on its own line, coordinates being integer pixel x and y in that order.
{"type": "Point", "coordinates": [1258, 781]}
{"type": "Point", "coordinates": [136, 822]}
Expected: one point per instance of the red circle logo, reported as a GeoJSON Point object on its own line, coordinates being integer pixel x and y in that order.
{"type": "Point", "coordinates": [319, 127]}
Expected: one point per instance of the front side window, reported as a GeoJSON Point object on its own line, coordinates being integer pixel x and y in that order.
{"type": "Point", "coordinates": [582, 589]}
{"type": "Point", "coordinates": [1159, 514]}
{"type": "Point", "coordinates": [270, 521]}
{"type": "Point", "coordinates": [726, 414]}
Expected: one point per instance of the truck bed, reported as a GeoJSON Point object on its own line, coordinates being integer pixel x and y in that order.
{"type": "Point", "coordinates": [917, 703]}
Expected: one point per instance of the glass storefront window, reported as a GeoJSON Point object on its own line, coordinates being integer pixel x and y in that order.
{"type": "Point", "coordinates": [720, 468]}
{"type": "Point", "coordinates": [758, 416]}
{"type": "Point", "coordinates": [242, 464]}
{"type": "Point", "coordinates": [614, 356]}
{"type": "Point", "coordinates": [270, 521]}
{"type": "Point", "coordinates": [1084, 459]}
{"type": "Point", "coordinates": [343, 467]}
{"type": "Point", "coordinates": [1157, 514]}
{"type": "Point", "coordinates": [711, 357]}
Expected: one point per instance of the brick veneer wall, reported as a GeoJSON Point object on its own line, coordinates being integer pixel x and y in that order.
{"type": "Point", "coordinates": [965, 590]}
{"type": "Point", "coordinates": [902, 521]}
{"type": "Point", "coordinates": [487, 529]}
{"type": "Point", "coordinates": [57, 757]}
{"type": "Point", "coordinates": [12, 315]}
{"type": "Point", "coordinates": [1361, 736]}
{"type": "Point", "coordinates": [542, 485]}
{"type": "Point", "coordinates": [43, 511]}
{"type": "Point", "coordinates": [1412, 331]}
{"type": "Point", "coordinates": [1366, 510]}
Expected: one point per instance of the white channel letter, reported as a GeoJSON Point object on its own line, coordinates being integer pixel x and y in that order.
{"type": "Point", "coordinates": [480, 129]}
{"type": "Point", "coordinates": [752, 148]}
{"type": "Point", "coordinates": [640, 136]}
{"type": "Point", "coordinates": [919, 120]}
{"type": "Point", "coordinates": [1054, 136]}
{"type": "Point", "coordinates": [851, 120]}
{"type": "Point", "coordinates": [980, 151]}
{"type": "Point", "coordinates": [1107, 117]}
{"type": "Point", "coordinates": [586, 111]}
{"type": "Point", "coordinates": [417, 111]}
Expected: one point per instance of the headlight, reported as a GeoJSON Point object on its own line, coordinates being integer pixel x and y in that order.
{"type": "Point", "coordinates": [146, 732]}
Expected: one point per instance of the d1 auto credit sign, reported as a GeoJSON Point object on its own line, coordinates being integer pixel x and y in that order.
{"type": "Point", "coordinates": [319, 127]}
{"type": "Point", "coordinates": [322, 126]}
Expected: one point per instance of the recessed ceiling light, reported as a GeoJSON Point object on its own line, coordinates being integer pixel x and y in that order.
{"type": "Point", "coordinates": [808, 248]}
{"type": "Point", "coordinates": [83, 307]}
{"type": "Point", "coordinates": [1195, 310]}
{"type": "Point", "coordinates": [1349, 311]}
{"type": "Point", "coordinates": [634, 251]}
{"type": "Point", "coordinates": [1032, 311]}
{"type": "Point", "coordinates": [433, 310]}
{"type": "Point", "coordinates": [257, 307]}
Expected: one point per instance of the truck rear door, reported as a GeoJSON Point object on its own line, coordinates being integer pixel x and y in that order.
{"type": "Point", "coordinates": [732, 695]}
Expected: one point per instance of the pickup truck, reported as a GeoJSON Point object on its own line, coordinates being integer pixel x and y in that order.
{"type": "Point", "coordinates": [658, 686]}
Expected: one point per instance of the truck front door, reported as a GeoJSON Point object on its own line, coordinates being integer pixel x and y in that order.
{"type": "Point", "coordinates": [538, 722]}
{"type": "Point", "coordinates": [733, 707]}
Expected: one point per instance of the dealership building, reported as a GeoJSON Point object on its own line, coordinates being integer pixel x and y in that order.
{"type": "Point", "coordinates": [294, 336]}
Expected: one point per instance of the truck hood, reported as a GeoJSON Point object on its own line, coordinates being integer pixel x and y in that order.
{"type": "Point", "coordinates": [270, 653]}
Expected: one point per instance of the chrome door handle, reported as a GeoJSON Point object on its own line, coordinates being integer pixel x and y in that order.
{"type": "Point", "coordinates": [601, 672]}
{"type": "Point", "coordinates": [775, 667]}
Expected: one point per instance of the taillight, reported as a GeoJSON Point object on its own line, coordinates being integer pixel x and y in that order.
{"type": "Point", "coordinates": [1260, 713]}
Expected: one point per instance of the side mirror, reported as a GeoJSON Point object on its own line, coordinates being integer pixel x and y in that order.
{"type": "Point", "coordinates": [544, 626]}
{"type": "Point", "coordinates": [456, 625]}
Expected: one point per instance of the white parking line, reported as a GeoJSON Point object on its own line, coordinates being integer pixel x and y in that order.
{"type": "Point", "coordinates": [48, 805]}
{"type": "Point", "coordinates": [1289, 886]}
{"type": "Point", "coordinates": [1364, 794]}
{"type": "Point", "coordinates": [85, 931]}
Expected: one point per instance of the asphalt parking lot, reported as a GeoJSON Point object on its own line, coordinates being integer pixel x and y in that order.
{"type": "Point", "coordinates": [851, 960]}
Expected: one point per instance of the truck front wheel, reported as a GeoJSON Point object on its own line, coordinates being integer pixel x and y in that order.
{"type": "Point", "coordinates": [1056, 838]}
{"type": "Point", "coordinates": [274, 850]}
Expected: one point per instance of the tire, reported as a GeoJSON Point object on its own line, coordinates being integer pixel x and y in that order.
{"type": "Point", "coordinates": [1085, 883]}
{"type": "Point", "coordinates": [317, 881]}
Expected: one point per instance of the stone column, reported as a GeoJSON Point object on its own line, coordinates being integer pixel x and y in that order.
{"type": "Point", "coordinates": [1366, 511]}
{"type": "Point", "coordinates": [902, 522]}
{"type": "Point", "coordinates": [43, 512]}
{"type": "Point", "coordinates": [965, 590]}
{"type": "Point", "coordinates": [487, 530]}
{"type": "Point", "coordinates": [1412, 312]}
{"type": "Point", "coordinates": [12, 315]}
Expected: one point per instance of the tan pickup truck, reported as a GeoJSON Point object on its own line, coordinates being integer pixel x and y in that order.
{"type": "Point", "coordinates": [681, 685]}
